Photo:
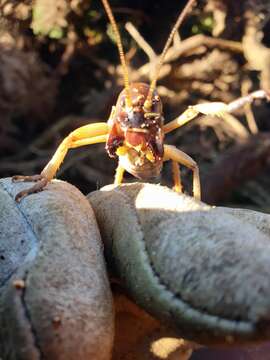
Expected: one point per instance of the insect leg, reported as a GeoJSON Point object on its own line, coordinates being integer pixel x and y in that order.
{"type": "Point", "coordinates": [85, 135]}
{"type": "Point", "coordinates": [181, 120]}
{"type": "Point", "coordinates": [176, 177]}
{"type": "Point", "coordinates": [119, 174]}
{"type": "Point", "coordinates": [178, 156]}
{"type": "Point", "coordinates": [219, 109]}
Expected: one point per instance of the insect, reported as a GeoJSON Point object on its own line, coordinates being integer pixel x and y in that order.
{"type": "Point", "coordinates": [135, 130]}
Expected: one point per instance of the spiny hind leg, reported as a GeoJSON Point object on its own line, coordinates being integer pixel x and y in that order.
{"type": "Point", "coordinates": [179, 157]}
{"type": "Point", "coordinates": [219, 109]}
{"type": "Point", "coordinates": [39, 186]}
{"type": "Point", "coordinates": [25, 178]}
{"type": "Point", "coordinates": [85, 135]}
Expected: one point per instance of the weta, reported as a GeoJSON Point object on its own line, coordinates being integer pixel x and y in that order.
{"type": "Point", "coordinates": [135, 130]}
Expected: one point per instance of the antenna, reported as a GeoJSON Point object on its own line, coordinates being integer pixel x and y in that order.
{"type": "Point", "coordinates": [182, 15]}
{"type": "Point", "coordinates": [120, 50]}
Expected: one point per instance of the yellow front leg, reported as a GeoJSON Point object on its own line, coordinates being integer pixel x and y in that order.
{"type": "Point", "coordinates": [178, 156]}
{"type": "Point", "coordinates": [119, 174]}
{"type": "Point", "coordinates": [215, 109]}
{"type": "Point", "coordinates": [219, 109]}
{"type": "Point", "coordinates": [85, 135]}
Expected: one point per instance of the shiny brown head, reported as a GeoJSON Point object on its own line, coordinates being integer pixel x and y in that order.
{"type": "Point", "coordinates": [136, 134]}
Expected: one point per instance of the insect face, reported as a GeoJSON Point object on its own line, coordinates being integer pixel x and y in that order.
{"type": "Point", "coordinates": [136, 133]}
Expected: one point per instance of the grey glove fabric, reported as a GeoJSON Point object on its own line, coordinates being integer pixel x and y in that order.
{"type": "Point", "coordinates": [201, 272]}
{"type": "Point", "coordinates": [201, 269]}
{"type": "Point", "coordinates": [55, 300]}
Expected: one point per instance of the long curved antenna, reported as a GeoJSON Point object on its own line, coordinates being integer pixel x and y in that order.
{"type": "Point", "coordinates": [120, 50]}
{"type": "Point", "coordinates": [182, 15]}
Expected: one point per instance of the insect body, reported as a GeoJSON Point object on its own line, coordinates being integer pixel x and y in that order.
{"type": "Point", "coordinates": [136, 134]}
{"type": "Point", "coordinates": [135, 130]}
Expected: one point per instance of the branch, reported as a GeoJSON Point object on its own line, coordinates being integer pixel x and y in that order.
{"type": "Point", "coordinates": [187, 45]}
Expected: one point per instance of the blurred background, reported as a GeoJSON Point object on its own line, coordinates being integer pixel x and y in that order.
{"type": "Point", "coordinates": [59, 69]}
